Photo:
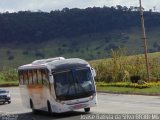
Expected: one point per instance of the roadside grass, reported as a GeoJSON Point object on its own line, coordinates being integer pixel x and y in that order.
{"type": "Point", "coordinates": [123, 90]}
{"type": "Point", "coordinates": [130, 88]}
{"type": "Point", "coordinates": [129, 84]}
{"type": "Point", "coordinates": [8, 84]}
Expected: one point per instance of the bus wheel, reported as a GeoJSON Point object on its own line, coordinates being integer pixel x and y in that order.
{"type": "Point", "coordinates": [86, 109]}
{"type": "Point", "coordinates": [32, 107]}
{"type": "Point", "coordinates": [49, 107]}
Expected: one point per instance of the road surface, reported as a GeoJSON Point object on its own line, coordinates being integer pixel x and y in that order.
{"type": "Point", "coordinates": [107, 104]}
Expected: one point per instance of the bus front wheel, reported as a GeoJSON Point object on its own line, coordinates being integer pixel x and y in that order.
{"type": "Point", "coordinates": [86, 109]}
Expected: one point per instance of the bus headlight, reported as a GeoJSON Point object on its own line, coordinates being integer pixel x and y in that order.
{"type": "Point", "coordinates": [92, 97]}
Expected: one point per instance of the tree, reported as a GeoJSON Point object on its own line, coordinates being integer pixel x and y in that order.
{"type": "Point", "coordinates": [131, 8]}
{"type": "Point", "coordinates": [150, 10]}
{"type": "Point", "coordinates": [119, 7]}
{"type": "Point", "coordinates": [154, 8]}
{"type": "Point", "coordinates": [65, 9]}
{"type": "Point", "coordinates": [125, 8]}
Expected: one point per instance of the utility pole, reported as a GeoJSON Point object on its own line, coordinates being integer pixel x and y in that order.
{"type": "Point", "coordinates": [145, 41]}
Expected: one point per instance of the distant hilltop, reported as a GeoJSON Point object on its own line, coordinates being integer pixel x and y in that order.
{"type": "Point", "coordinates": [28, 26]}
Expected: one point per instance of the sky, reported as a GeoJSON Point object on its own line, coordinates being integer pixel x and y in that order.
{"type": "Point", "coordinates": [48, 5]}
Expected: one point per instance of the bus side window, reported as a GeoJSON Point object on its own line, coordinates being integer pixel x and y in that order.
{"type": "Point", "coordinates": [30, 77]}
{"type": "Point", "coordinates": [35, 76]}
{"type": "Point", "coordinates": [39, 75]}
{"type": "Point", "coordinates": [44, 76]}
{"type": "Point", "coordinates": [25, 74]}
{"type": "Point", "coordinates": [21, 77]}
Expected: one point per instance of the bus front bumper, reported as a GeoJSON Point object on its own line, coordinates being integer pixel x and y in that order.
{"type": "Point", "coordinates": [60, 107]}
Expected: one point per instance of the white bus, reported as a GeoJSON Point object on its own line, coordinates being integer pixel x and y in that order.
{"type": "Point", "coordinates": [57, 85]}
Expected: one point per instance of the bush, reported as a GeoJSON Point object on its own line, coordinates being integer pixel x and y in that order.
{"type": "Point", "coordinates": [9, 75]}
{"type": "Point", "coordinates": [124, 84]}
{"type": "Point", "coordinates": [25, 52]}
{"type": "Point", "coordinates": [39, 54]}
{"type": "Point", "coordinates": [10, 57]}
{"type": "Point", "coordinates": [135, 79]}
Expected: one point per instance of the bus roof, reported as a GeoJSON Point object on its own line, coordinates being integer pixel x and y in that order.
{"type": "Point", "coordinates": [68, 64]}
{"type": "Point", "coordinates": [56, 64]}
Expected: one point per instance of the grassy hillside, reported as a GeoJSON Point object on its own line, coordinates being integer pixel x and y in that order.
{"type": "Point", "coordinates": [120, 68]}
{"type": "Point", "coordinates": [89, 47]}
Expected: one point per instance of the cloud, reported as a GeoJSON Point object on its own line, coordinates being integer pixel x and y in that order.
{"type": "Point", "coordinates": [48, 5]}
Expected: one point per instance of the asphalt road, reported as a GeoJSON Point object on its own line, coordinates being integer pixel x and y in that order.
{"type": "Point", "coordinates": [107, 104]}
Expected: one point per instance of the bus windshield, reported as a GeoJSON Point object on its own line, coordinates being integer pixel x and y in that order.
{"type": "Point", "coordinates": [74, 84]}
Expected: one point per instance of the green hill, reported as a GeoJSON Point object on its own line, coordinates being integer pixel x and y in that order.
{"type": "Point", "coordinates": [92, 46]}
{"type": "Point", "coordinates": [86, 33]}
{"type": "Point", "coordinates": [89, 47]}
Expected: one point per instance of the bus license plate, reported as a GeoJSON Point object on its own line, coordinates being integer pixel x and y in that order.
{"type": "Point", "coordinates": [78, 106]}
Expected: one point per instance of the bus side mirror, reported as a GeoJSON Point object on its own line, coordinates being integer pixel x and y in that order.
{"type": "Point", "coordinates": [51, 79]}
{"type": "Point", "coordinates": [93, 72]}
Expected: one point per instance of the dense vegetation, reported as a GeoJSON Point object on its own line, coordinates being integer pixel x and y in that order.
{"type": "Point", "coordinates": [120, 68]}
{"type": "Point", "coordinates": [27, 26]}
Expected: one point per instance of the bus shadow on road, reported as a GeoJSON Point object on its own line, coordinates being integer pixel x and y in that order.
{"type": "Point", "coordinates": [46, 116]}
{"type": "Point", "coordinates": [1, 103]}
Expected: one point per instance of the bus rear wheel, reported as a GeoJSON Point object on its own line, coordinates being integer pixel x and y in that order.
{"type": "Point", "coordinates": [49, 107]}
{"type": "Point", "coordinates": [86, 109]}
{"type": "Point", "coordinates": [32, 107]}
